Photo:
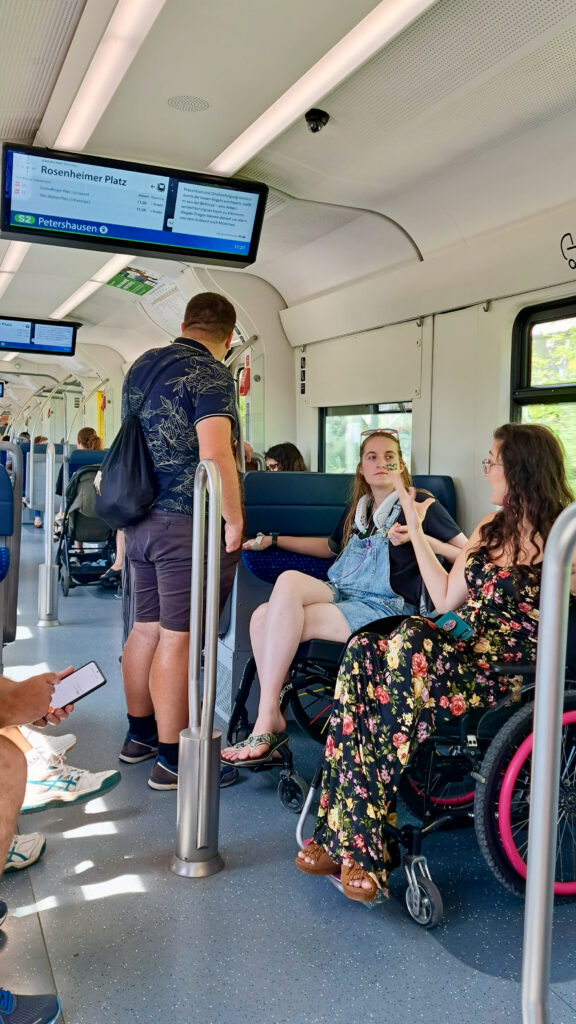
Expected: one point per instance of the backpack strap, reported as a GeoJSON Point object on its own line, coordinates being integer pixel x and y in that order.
{"type": "Point", "coordinates": [155, 378]}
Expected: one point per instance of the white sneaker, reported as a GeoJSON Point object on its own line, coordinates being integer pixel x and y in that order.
{"type": "Point", "coordinates": [48, 746]}
{"type": "Point", "coordinates": [24, 851]}
{"type": "Point", "coordinates": [59, 783]}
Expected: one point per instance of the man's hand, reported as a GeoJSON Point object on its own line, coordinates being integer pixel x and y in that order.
{"type": "Point", "coordinates": [233, 533]}
{"type": "Point", "coordinates": [30, 701]}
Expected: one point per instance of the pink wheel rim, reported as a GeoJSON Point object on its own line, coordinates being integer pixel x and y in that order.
{"type": "Point", "coordinates": [505, 804]}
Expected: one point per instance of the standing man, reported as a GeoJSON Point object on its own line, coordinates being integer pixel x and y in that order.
{"type": "Point", "coordinates": [188, 415]}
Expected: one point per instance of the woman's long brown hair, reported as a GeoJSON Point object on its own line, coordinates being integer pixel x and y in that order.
{"type": "Point", "coordinates": [88, 438]}
{"type": "Point", "coordinates": [536, 488]}
{"type": "Point", "coordinates": [360, 487]}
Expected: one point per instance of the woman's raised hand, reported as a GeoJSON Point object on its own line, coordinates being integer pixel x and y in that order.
{"type": "Point", "coordinates": [414, 511]}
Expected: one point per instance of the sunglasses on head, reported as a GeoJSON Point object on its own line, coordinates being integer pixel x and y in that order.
{"type": "Point", "coordinates": [381, 430]}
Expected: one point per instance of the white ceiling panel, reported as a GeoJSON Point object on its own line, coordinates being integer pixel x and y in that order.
{"type": "Point", "coordinates": [230, 60]}
{"type": "Point", "coordinates": [34, 39]}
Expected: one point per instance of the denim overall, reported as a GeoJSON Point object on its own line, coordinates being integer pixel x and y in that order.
{"type": "Point", "coordinates": [360, 579]}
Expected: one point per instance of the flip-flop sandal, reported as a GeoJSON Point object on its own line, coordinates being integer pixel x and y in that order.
{"type": "Point", "coordinates": [275, 740]}
{"type": "Point", "coordinates": [322, 863]}
{"type": "Point", "coordinates": [353, 872]}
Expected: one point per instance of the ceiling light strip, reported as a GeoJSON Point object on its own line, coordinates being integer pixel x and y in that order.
{"type": "Point", "coordinates": [372, 33]}
{"type": "Point", "coordinates": [108, 271]}
{"type": "Point", "coordinates": [124, 35]}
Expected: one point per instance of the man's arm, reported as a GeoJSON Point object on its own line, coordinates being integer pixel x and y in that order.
{"type": "Point", "coordinates": [215, 442]}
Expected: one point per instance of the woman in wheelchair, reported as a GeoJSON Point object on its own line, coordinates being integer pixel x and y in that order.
{"type": "Point", "coordinates": [388, 688]}
{"type": "Point", "coordinates": [375, 575]}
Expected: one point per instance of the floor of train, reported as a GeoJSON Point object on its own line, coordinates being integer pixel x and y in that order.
{"type": "Point", "coordinates": [102, 919]}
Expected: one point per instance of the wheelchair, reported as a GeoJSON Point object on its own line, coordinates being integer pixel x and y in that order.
{"type": "Point", "coordinates": [475, 769]}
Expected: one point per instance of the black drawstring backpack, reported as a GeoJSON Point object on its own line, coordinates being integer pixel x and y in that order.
{"type": "Point", "coordinates": [126, 486]}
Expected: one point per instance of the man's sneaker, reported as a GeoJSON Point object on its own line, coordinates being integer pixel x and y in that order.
{"type": "Point", "coordinates": [162, 775]}
{"type": "Point", "coordinates": [229, 774]}
{"type": "Point", "coordinates": [24, 851]}
{"type": "Point", "coordinates": [136, 750]}
{"type": "Point", "coordinates": [28, 1009]}
{"type": "Point", "coordinates": [48, 746]}
{"type": "Point", "coordinates": [3, 912]}
{"type": "Point", "coordinates": [59, 783]}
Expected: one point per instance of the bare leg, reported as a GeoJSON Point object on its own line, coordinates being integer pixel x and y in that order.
{"type": "Point", "coordinates": [169, 684]}
{"type": "Point", "coordinates": [300, 608]}
{"type": "Point", "coordinates": [12, 789]}
{"type": "Point", "coordinates": [120, 549]}
{"type": "Point", "coordinates": [13, 734]}
{"type": "Point", "coordinates": [139, 651]}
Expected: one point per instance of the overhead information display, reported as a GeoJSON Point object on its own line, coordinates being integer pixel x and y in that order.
{"type": "Point", "coordinates": [71, 199]}
{"type": "Point", "coordinates": [37, 337]}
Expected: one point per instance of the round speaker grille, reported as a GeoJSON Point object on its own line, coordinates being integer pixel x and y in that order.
{"type": "Point", "coordinates": [190, 104]}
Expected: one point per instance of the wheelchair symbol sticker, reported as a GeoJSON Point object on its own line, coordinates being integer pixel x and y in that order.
{"type": "Point", "coordinates": [568, 249]}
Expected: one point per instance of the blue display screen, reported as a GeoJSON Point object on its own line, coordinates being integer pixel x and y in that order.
{"type": "Point", "coordinates": [40, 337]}
{"type": "Point", "coordinates": [73, 199]}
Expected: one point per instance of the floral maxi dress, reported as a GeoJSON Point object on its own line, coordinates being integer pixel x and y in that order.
{"type": "Point", "coordinates": [388, 689]}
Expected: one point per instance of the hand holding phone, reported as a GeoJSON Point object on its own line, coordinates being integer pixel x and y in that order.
{"type": "Point", "coordinates": [77, 685]}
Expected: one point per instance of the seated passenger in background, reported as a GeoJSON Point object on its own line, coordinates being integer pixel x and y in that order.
{"type": "Point", "coordinates": [285, 458]}
{"type": "Point", "coordinates": [376, 575]}
{"type": "Point", "coordinates": [388, 688]}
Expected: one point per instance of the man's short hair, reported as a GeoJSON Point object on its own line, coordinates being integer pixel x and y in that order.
{"type": "Point", "coordinates": [211, 313]}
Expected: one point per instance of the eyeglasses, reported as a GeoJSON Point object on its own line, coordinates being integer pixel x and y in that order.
{"type": "Point", "coordinates": [487, 465]}
{"type": "Point", "coordinates": [380, 430]}
{"type": "Point", "coordinates": [272, 467]}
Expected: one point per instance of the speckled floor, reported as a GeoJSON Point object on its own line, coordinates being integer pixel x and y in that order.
{"type": "Point", "coordinates": [103, 920]}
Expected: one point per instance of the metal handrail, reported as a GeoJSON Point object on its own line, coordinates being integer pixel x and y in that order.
{"type": "Point", "coordinates": [82, 407]}
{"type": "Point", "coordinates": [48, 571]}
{"type": "Point", "coordinates": [199, 756]}
{"type": "Point", "coordinates": [40, 416]}
{"type": "Point", "coordinates": [258, 458]}
{"type": "Point", "coordinates": [550, 668]}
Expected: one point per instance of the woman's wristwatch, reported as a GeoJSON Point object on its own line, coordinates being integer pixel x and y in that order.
{"type": "Point", "coordinates": [274, 539]}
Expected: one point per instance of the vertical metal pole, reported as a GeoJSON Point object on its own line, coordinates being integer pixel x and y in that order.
{"type": "Point", "coordinates": [48, 573]}
{"type": "Point", "coordinates": [550, 667]}
{"type": "Point", "coordinates": [196, 853]}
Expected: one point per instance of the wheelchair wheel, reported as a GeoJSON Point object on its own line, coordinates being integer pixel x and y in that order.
{"type": "Point", "coordinates": [292, 792]}
{"type": "Point", "coordinates": [502, 805]}
{"type": "Point", "coordinates": [451, 785]}
{"type": "Point", "coordinates": [311, 703]}
{"type": "Point", "coordinates": [428, 910]}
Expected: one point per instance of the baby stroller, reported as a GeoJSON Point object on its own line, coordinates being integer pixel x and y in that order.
{"type": "Point", "coordinates": [77, 566]}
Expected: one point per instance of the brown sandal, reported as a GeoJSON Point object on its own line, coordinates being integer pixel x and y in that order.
{"type": "Point", "coordinates": [322, 863]}
{"type": "Point", "coordinates": [352, 872]}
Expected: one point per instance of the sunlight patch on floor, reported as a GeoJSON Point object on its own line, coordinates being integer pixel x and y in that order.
{"type": "Point", "coordinates": [113, 887]}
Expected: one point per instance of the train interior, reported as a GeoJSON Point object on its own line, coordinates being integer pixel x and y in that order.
{"type": "Point", "coordinates": [416, 269]}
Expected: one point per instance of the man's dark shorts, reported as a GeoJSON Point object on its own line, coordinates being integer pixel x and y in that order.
{"type": "Point", "coordinates": [160, 553]}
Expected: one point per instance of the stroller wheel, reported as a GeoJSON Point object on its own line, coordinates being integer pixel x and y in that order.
{"type": "Point", "coordinates": [292, 792]}
{"type": "Point", "coordinates": [64, 581]}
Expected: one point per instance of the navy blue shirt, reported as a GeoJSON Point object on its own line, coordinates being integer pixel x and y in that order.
{"type": "Point", "coordinates": [192, 386]}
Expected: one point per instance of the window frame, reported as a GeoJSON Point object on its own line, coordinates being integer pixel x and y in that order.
{"type": "Point", "coordinates": [521, 391]}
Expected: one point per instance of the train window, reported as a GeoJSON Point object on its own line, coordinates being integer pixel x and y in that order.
{"type": "Point", "coordinates": [543, 385]}
{"type": "Point", "coordinates": [341, 427]}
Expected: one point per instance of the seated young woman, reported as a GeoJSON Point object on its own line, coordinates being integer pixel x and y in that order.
{"type": "Point", "coordinates": [375, 575]}
{"type": "Point", "coordinates": [388, 689]}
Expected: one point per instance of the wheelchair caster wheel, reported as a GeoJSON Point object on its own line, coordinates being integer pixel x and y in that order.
{"type": "Point", "coordinates": [292, 792]}
{"type": "Point", "coordinates": [425, 907]}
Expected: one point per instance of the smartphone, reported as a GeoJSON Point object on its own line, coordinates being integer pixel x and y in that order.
{"type": "Point", "coordinates": [454, 625]}
{"type": "Point", "coordinates": [77, 685]}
